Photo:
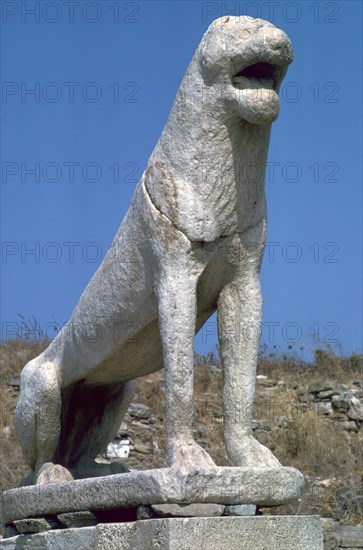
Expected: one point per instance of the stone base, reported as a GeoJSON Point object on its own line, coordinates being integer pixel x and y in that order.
{"type": "Point", "coordinates": [222, 533]}
{"type": "Point", "coordinates": [219, 485]}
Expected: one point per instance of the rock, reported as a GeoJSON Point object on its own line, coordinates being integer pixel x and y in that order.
{"type": "Point", "coordinates": [323, 407]}
{"type": "Point", "coordinates": [320, 386]}
{"type": "Point", "coordinates": [350, 536]}
{"type": "Point", "coordinates": [306, 397]}
{"type": "Point", "coordinates": [342, 387]}
{"type": "Point", "coordinates": [355, 411]}
{"type": "Point", "coordinates": [53, 473]}
{"type": "Point", "coordinates": [341, 402]}
{"type": "Point", "coordinates": [143, 449]}
{"type": "Point", "coordinates": [267, 393]}
{"type": "Point", "coordinates": [240, 510]}
{"type": "Point", "coordinates": [156, 448]}
{"type": "Point", "coordinates": [267, 382]}
{"type": "Point", "coordinates": [188, 510]}
{"type": "Point", "coordinates": [10, 531]}
{"type": "Point", "coordinates": [350, 426]}
{"type": "Point", "coordinates": [14, 382]}
{"type": "Point", "coordinates": [329, 525]}
{"type": "Point", "coordinates": [118, 448]}
{"type": "Point", "coordinates": [356, 393]}
{"type": "Point", "coordinates": [57, 539]}
{"type": "Point", "coordinates": [301, 406]}
{"type": "Point", "coordinates": [339, 416]}
{"type": "Point", "coordinates": [329, 533]}
{"type": "Point", "coordinates": [145, 512]}
{"type": "Point", "coordinates": [78, 519]}
{"type": "Point", "coordinates": [35, 525]}
{"type": "Point", "coordinates": [255, 424]}
{"type": "Point", "coordinates": [139, 410]}
{"type": "Point", "coordinates": [328, 393]}
{"type": "Point", "coordinates": [6, 432]}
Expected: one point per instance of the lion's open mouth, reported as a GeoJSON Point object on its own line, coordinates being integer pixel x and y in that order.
{"type": "Point", "coordinates": [259, 75]}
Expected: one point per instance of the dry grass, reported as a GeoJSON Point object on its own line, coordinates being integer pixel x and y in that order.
{"type": "Point", "coordinates": [326, 453]}
{"type": "Point", "coordinates": [327, 365]}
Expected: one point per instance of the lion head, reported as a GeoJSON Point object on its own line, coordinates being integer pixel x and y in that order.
{"type": "Point", "coordinates": [247, 59]}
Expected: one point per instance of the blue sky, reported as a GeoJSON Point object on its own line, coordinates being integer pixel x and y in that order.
{"type": "Point", "coordinates": [104, 75]}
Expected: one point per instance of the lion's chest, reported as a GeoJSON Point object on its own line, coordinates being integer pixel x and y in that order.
{"type": "Point", "coordinates": [217, 200]}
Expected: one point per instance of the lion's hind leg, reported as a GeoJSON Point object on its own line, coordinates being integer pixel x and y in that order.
{"type": "Point", "coordinates": [37, 418]}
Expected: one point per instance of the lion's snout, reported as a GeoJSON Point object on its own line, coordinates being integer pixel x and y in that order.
{"type": "Point", "coordinates": [278, 40]}
{"type": "Point", "coordinates": [278, 43]}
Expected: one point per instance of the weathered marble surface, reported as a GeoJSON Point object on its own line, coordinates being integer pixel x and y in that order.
{"type": "Point", "coordinates": [191, 243]}
{"type": "Point", "coordinates": [222, 485]}
{"type": "Point", "coordinates": [237, 533]}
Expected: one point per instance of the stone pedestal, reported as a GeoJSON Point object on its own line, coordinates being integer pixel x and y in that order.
{"type": "Point", "coordinates": [222, 533]}
{"type": "Point", "coordinates": [131, 511]}
{"type": "Point", "coordinates": [219, 485]}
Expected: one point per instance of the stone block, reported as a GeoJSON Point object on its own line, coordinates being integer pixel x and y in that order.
{"type": "Point", "coordinates": [222, 485]}
{"type": "Point", "coordinates": [78, 519]}
{"type": "Point", "coordinates": [219, 533]}
{"type": "Point", "coordinates": [240, 510]}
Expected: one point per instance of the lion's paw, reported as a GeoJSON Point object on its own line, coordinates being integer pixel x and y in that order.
{"type": "Point", "coordinates": [188, 454]}
{"type": "Point", "coordinates": [249, 453]}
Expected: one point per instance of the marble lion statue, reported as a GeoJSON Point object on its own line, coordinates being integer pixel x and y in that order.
{"type": "Point", "coordinates": [190, 244]}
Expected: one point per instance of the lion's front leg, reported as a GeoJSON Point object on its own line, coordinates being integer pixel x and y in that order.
{"type": "Point", "coordinates": [239, 328]}
{"type": "Point", "coordinates": [177, 318]}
